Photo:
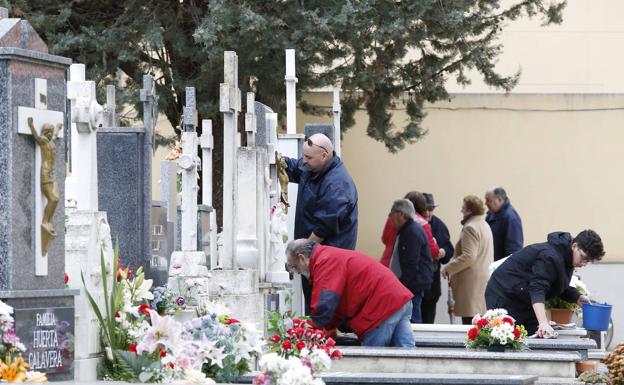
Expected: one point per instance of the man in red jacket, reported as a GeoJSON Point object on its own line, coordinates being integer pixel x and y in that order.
{"type": "Point", "coordinates": [351, 286]}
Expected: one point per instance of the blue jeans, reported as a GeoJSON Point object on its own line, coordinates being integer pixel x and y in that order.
{"type": "Point", "coordinates": [396, 330]}
{"type": "Point", "coordinates": [416, 307]}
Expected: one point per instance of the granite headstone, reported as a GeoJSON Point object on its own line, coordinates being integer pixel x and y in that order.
{"type": "Point", "coordinates": [320, 128]}
{"type": "Point", "coordinates": [262, 134]}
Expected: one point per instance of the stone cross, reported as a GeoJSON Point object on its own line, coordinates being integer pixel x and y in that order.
{"type": "Point", "coordinates": [40, 116]}
{"type": "Point", "coordinates": [250, 120]}
{"type": "Point", "coordinates": [336, 113]}
{"type": "Point", "coordinates": [86, 117]}
{"type": "Point", "coordinates": [230, 105]}
{"type": "Point", "coordinates": [291, 93]}
{"type": "Point", "coordinates": [206, 142]}
{"type": "Point", "coordinates": [188, 163]}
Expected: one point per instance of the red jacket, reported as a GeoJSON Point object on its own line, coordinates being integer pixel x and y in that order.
{"type": "Point", "coordinates": [389, 235]}
{"type": "Point", "coordinates": [349, 285]}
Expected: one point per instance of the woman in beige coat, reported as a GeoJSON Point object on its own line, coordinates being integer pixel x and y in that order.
{"type": "Point", "coordinates": [468, 269]}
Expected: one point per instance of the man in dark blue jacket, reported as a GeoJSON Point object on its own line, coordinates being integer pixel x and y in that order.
{"type": "Point", "coordinates": [540, 272]}
{"type": "Point", "coordinates": [505, 223]}
{"type": "Point", "coordinates": [327, 199]}
{"type": "Point", "coordinates": [441, 234]}
{"type": "Point", "coordinates": [411, 258]}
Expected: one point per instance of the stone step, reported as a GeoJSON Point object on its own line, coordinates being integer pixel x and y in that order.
{"type": "Point", "coordinates": [342, 378]}
{"type": "Point", "coordinates": [581, 345]}
{"type": "Point", "coordinates": [456, 361]}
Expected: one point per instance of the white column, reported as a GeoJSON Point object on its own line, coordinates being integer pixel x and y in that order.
{"type": "Point", "coordinates": [250, 120]}
{"type": "Point", "coordinates": [291, 93]}
{"type": "Point", "coordinates": [207, 144]}
{"type": "Point", "coordinates": [336, 114]}
{"type": "Point", "coordinates": [229, 104]}
{"type": "Point", "coordinates": [86, 116]}
{"type": "Point", "coordinates": [188, 163]}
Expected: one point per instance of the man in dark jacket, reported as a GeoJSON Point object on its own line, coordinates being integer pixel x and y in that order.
{"type": "Point", "coordinates": [538, 273]}
{"type": "Point", "coordinates": [351, 286]}
{"type": "Point", "coordinates": [327, 199]}
{"type": "Point", "coordinates": [411, 258]}
{"type": "Point", "coordinates": [505, 223]}
{"type": "Point", "coordinates": [442, 237]}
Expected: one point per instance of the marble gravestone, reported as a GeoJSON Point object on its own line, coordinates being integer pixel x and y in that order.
{"type": "Point", "coordinates": [32, 169]}
{"type": "Point", "coordinates": [320, 128]}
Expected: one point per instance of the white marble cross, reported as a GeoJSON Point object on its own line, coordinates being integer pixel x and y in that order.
{"type": "Point", "coordinates": [230, 105]}
{"type": "Point", "coordinates": [86, 116]}
{"type": "Point", "coordinates": [336, 113]}
{"type": "Point", "coordinates": [188, 163]}
{"type": "Point", "coordinates": [250, 120]}
{"type": "Point", "coordinates": [40, 115]}
{"type": "Point", "coordinates": [291, 93]}
{"type": "Point", "coordinates": [206, 142]}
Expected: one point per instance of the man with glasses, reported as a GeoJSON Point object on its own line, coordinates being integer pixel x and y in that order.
{"type": "Point", "coordinates": [351, 286]}
{"type": "Point", "coordinates": [327, 199]}
{"type": "Point", "coordinates": [540, 272]}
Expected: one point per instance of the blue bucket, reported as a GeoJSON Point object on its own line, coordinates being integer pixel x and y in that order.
{"type": "Point", "coordinates": [596, 316]}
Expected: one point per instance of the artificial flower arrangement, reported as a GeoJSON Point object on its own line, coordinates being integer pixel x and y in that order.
{"type": "Point", "coordinates": [558, 303]}
{"type": "Point", "coordinates": [496, 330]}
{"type": "Point", "coordinates": [298, 352]}
{"type": "Point", "coordinates": [13, 368]}
{"type": "Point", "coordinates": [143, 345]}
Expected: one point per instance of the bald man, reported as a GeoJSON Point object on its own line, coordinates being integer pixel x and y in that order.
{"type": "Point", "coordinates": [327, 199]}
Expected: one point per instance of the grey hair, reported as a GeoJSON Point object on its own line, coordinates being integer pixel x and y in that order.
{"type": "Point", "coordinates": [498, 192]}
{"type": "Point", "coordinates": [404, 206]}
{"type": "Point", "coordinates": [301, 246]}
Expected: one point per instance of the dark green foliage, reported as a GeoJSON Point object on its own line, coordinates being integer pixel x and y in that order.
{"type": "Point", "coordinates": [364, 43]}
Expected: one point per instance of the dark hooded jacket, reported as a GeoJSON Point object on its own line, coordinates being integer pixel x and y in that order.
{"type": "Point", "coordinates": [326, 203]}
{"type": "Point", "coordinates": [537, 273]}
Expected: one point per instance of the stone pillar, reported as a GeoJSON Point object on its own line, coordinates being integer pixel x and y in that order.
{"type": "Point", "coordinates": [250, 120]}
{"type": "Point", "coordinates": [188, 164]}
{"type": "Point", "coordinates": [291, 93]}
{"type": "Point", "coordinates": [207, 144]}
{"type": "Point", "coordinates": [229, 104]}
{"type": "Point", "coordinates": [336, 115]}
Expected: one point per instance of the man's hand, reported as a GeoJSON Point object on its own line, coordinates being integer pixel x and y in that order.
{"type": "Point", "coordinates": [583, 299]}
{"type": "Point", "coordinates": [315, 238]}
{"type": "Point", "coordinates": [441, 253]}
{"type": "Point", "coordinates": [544, 330]}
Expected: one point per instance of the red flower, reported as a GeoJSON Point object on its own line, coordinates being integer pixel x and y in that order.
{"type": "Point", "coordinates": [66, 278]}
{"type": "Point", "coordinates": [162, 353]}
{"type": "Point", "coordinates": [132, 347]}
{"type": "Point", "coordinates": [299, 332]}
{"type": "Point", "coordinates": [123, 273]}
{"type": "Point", "coordinates": [508, 320]}
{"type": "Point", "coordinates": [276, 338]}
{"type": "Point", "coordinates": [482, 323]}
{"type": "Point", "coordinates": [300, 345]}
{"type": "Point", "coordinates": [297, 322]}
{"type": "Point", "coordinates": [171, 365]}
{"type": "Point", "coordinates": [517, 333]}
{"type": "Point", "coordinates": [336, 355]}
{"type": "Point", "coordinates": [231, 321]}
{"type": "Point", "coordinates": [117, 314]}
{"type": "Point", "coordinates": [144, 308]}
{"type": "Point", "coordinates": [473, 333]}
{"type": "Point", "coordinates": [287, 345]}
{"type": "Point", "coordinates": [330, 342]}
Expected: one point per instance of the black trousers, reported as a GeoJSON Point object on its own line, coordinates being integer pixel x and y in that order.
{"type": "Point", "coordinates": [428, 310]}
{"type": "Point", "coordinates": [307, 294]}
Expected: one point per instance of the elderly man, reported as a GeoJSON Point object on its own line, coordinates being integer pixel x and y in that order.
{"type": "Point", "coordinates": [540, 272]}
{"type": "Point", "coordinates": [505, 223]}
{"type": "Point", "coordinates": [327, 199]}
{"type": "Point", "coordinates": [351, 286]}
{"type": "Point", "coordinates": [411, 258]}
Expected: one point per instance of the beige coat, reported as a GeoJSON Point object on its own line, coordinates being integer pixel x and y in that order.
{"type": "Point", "coordinates": [468, 269]}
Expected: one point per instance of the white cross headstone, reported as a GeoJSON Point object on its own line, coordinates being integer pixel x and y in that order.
{"type": "Point", "coordinates": [207, 144]}
{"type": "Point", "coordinates": [230, 105]}
{"type": "Point", "coordinates": [336, 113]}
{"type": "Point", "coordinates": [188, 163]}
{"type": "Point", "coordinates": [40, 116]}
{"type": "Point", "coordinates": [250, 120]}
{"type": "Point", "coordinates": [291, 93]}
{"type": "Point", "coordinates": [86, 117]}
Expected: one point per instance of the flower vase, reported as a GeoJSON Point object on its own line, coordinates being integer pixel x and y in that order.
{"type": "Point", "coordinates": [496, 348]}
{"type": "Point", "coordinates": [561, 316]}
{"type": "Point", "coordinates": [185, 315]}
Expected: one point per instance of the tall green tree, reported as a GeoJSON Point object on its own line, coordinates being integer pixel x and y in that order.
{"type": "Point", "coordinates": [383, 51]}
